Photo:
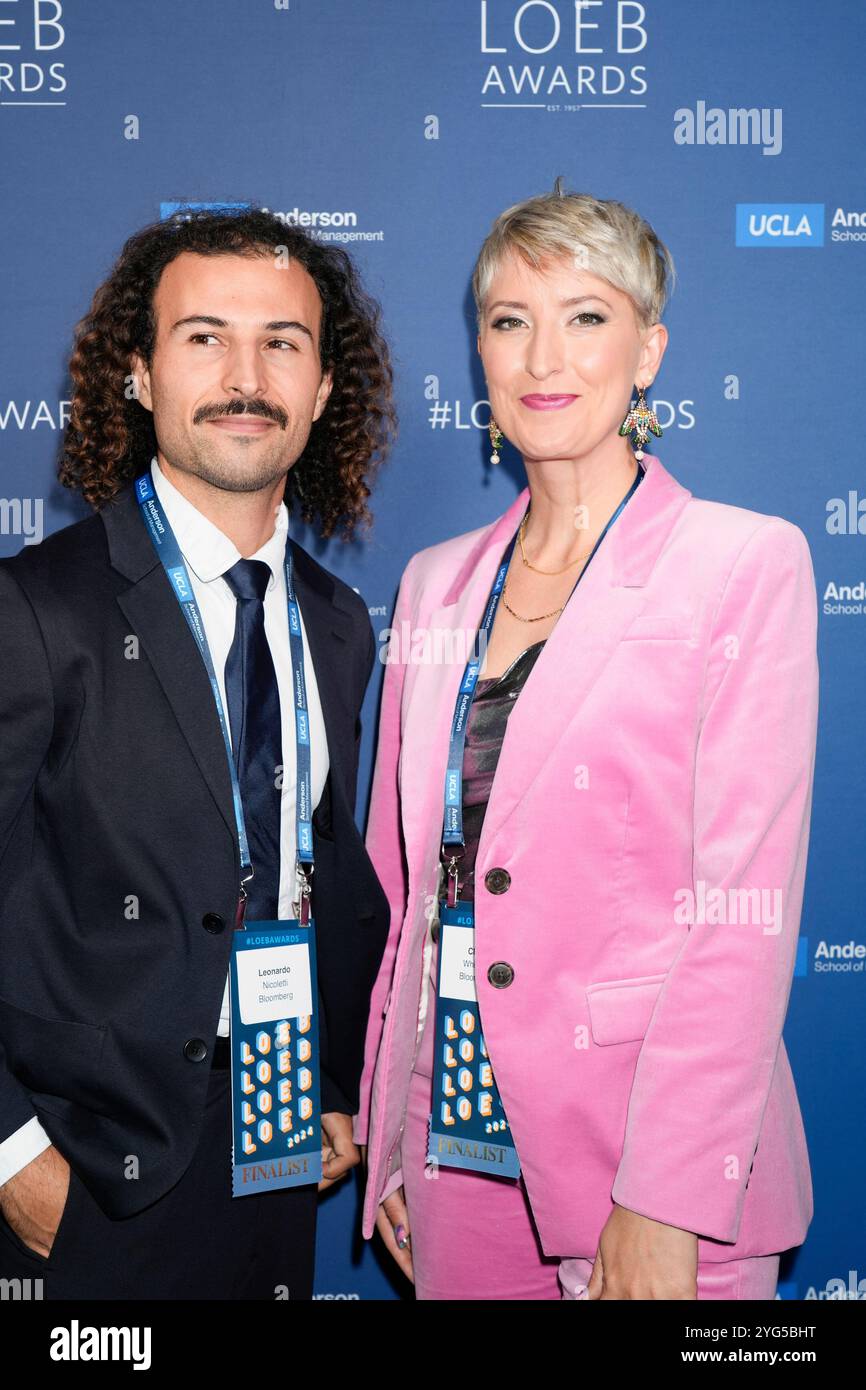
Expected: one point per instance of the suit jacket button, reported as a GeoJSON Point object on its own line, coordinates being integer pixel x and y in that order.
{"type": "Point", "coordinates": [212, 922]}
{"type": "Point", "coordinates": [195, 1050]}
{"type": "Point", "coordinates": [497, 881]}
{"type": "Point", "coordinates": [500, 974]}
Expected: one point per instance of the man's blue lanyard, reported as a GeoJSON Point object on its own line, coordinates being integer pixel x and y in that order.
{"type": "Point", "coordinates": [452, 833]}
{"type": "Point", "coordinates": [168, 550]}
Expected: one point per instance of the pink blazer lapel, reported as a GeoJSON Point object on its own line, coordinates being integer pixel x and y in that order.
{"type": "Point", "coordinates": [603, 606]}
{"type": "Point", "coordinates": [432, 682]}
{"type": "Point", "coordinates": [606, 601]}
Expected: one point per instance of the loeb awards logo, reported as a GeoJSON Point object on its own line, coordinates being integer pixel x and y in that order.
{"type": "Point", "coordinates": [30, 32]}
{"type": "Point", "coordinates": [551, 53]}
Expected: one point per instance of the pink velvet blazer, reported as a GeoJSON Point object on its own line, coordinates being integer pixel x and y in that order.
{"type": "Point", "coordinates": [651, 808]}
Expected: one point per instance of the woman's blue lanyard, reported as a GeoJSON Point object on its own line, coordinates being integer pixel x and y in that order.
{"type": "Point", "coordinates": [452, 833]}
{"type": "Point", "coordinates": [168, 550]}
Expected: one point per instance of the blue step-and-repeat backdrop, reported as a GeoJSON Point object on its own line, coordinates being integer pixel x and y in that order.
{"type": "Point", "coordinates": [399, 129]}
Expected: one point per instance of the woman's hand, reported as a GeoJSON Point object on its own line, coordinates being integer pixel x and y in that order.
{"type": "Point", "coordinates": [392, 1222]}
{"type": "Point", "coordinates": [641, 1258]}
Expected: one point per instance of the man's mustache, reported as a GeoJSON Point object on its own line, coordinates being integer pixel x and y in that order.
{"type": "Point", "coordinates": [263, 408]}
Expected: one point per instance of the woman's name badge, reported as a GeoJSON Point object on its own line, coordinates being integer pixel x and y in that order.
{"type": "Point", "coordinates": [276, 1109]}
{"type": "Point", "coordinates": [468, 1126]}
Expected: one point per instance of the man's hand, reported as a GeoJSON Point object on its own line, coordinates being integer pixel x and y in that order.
{"type": "Point", "coordinates": [339, 1153]}
{"type": "Point", "coordinates": [33, 1200]}
{"type": "Point", "coordinates": [641, 1258]}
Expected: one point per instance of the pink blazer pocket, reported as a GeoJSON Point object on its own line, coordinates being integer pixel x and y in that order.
{"type": "Point", "coordinates": [620, 1010]}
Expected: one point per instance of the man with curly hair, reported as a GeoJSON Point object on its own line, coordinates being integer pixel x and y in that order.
{"type": "Point", "coordinates": [232, 368]}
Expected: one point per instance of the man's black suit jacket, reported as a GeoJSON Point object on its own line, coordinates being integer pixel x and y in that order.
{"type": "Point", "coordinates": [119, 863]}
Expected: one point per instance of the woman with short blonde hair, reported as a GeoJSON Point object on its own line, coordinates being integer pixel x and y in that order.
{"type": "Point", "coordinates": [575, 1081]}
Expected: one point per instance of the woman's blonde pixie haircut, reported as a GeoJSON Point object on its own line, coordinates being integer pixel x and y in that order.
{"type": "Point", "coordinates": [601, 236]}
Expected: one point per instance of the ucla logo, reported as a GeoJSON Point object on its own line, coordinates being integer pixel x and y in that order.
{"type": "Point", "coordinates": [452, 789]}
{"type": "Point", "coordinates": [303, 727]}
{"type": "Point", "coordinates": [144, 488]}
{"type": "Point", "coordinates": [780, 224]}
{"type": "Point", "coordinates": [178, 579]}
{"type": "Point", "coordinates": [294, 619]}
{"type": "Point", "coordinates": [305, 838]}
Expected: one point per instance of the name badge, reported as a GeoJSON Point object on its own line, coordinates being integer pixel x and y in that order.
{"type": "Point", "coordinates": [468, 1125]}
{"type": "Point", "coordinates": [276, 1108]}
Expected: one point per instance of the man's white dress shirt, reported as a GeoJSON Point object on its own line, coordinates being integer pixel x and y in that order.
{"type": "Point", "coordinates": [208, 553]}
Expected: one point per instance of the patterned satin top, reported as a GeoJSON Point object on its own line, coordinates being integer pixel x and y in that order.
{"type": "Point", "coordinates": [488, 715]}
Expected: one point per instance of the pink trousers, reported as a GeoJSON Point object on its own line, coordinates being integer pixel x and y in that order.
{"type": "Point", "coordinates": [473, 1236]}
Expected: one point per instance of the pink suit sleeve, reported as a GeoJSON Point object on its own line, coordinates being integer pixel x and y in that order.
{"type": "Point", "coordinates": [706, 1063]}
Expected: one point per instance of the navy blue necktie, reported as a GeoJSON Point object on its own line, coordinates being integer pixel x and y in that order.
{"type": "Point", "coordinates": [253, 701]}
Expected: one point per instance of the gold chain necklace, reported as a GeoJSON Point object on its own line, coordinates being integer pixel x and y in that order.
{"type": "Point", "coordinates": [554, 611]}
{"type": "Point", "coordinates": [520, 616]}
{"type": "Point", "coordinates": [529, 565]}
{"type": "Point", "coordinates": [540, 617]}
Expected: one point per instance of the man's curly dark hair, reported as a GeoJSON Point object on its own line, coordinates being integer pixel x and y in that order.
{"type": "Point", "coordinates": [110, 436]}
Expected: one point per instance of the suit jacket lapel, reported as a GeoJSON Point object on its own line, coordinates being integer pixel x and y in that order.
{"type": "Point", "coordinates": [606, 600]}
{"type": "Point", "coordinates": [433, 677]}
{"type": "Point", "coordinates": [154, 616]}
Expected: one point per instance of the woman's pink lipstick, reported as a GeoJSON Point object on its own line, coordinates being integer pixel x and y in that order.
{"type": "Point", "coordinates": [547, 402]}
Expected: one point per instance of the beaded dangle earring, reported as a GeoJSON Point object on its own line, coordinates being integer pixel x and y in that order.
{"type": "Point", "coordinates": [641, 419]}
{"type": "Point", "coordinates": [495, 440]}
